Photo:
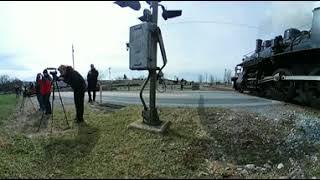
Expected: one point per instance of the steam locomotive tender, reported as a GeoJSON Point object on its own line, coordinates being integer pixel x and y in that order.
{"type": "Point", "coordinates": [284, 68]}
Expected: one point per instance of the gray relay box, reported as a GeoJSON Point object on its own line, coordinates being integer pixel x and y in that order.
{"type": "Point", "coordinates": [141, 56]}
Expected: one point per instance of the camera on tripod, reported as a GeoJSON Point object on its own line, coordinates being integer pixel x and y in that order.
{"type": "Point", "coordinates": [29, 91]}
{"type": "Point", "coordinates": [53, 72]}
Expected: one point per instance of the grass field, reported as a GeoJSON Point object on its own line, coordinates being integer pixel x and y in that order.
{"type": "Point", "coordinates": [104, 147]}
{"type": "Point", "coordinates": [7, 104]}
{"type": "Point", "coordinates": [201, 142]}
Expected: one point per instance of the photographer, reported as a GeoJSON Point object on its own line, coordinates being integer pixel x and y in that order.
{"type": "Point", "coordinates": [45, 90]}
{"type": "Point", "coordinates": [29, 91]}
{"type": "Point", "coordinates": [17, 90]}
{"type": "Point", "coordinates": [39, 96]}
{"type": "Point", "coordinates": [92, 78]}
{"type": "Point", "coordinates": [78, 84]}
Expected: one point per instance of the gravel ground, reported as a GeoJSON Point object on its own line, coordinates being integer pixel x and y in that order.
{"type": "Point", "coordinates": [306, 119]}
{"type": "Point", "coordinates": [266, 141]}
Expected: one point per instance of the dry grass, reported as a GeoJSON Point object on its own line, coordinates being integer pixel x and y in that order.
{"type": "Point", "coordinates": [201, 142]}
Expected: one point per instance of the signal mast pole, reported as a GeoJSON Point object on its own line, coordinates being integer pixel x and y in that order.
{"type": "Point", "coordinates": [72, 56]}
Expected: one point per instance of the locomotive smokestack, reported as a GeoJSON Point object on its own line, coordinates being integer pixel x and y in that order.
{"type": "Point", "coordinates": [315, 29]}
{"type": "Point", "coordinates": [258, 45]}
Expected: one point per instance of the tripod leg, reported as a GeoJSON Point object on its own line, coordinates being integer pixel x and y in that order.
{"type": "Point", "coordinates": [40, 121]}
{"type": "Point", "coordinates": [64, 111]}
{"type": "Point", "coordinates": [32, 104]}
{"type": "Point", "coordinates": [22, 104]}
{"type": "Point", "coordinates": [52, 109]}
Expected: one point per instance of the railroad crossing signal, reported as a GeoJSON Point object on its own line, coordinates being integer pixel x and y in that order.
{"type": "Point", "coordinates": [135, 5]}
{"type": "Point", "coordinates": [143, 51]}
{"type": "Point", "coordinates": [167, 14]}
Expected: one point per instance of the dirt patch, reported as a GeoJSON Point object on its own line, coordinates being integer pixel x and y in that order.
{"type": "Point", "coordinates": [244, 138]}
{"type": "Point", "coordinates": [106, 107]}
{"type": "Point", "coordinates": [267, 141]}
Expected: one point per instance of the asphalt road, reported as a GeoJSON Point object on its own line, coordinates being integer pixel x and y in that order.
{"type": "Point", "coordinates": [178, 98]}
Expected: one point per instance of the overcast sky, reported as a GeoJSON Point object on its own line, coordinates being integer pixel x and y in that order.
{"type": "Point", "coordinates": [207, 38]}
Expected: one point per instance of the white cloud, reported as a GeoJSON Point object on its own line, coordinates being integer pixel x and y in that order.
{"type": "Point", "coordinates": [42, 33]}
{"type": "Point", "coordinates": [285, 15]}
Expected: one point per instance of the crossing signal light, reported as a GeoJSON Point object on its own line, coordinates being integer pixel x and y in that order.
{"type": "Point", "coordinates": [166, 14]}
{"type": "Point", "coordinates": [149, 2]}
{"type": "Point", "coordinates": [146, 16]}
{"type": "Point", "coordinates": [171, 14]}
{"type": "Point", "coordinates": [135, 5]}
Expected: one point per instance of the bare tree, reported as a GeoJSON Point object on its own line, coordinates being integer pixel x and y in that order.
{"type": "Point", "coordinates": [8, 84]}
{"type": "Point", "coordinates": [211, 80]}
{"type": "Point", "coordinates": [200, 78]}
{"type": "Point", "coordinates": [102, 74]}
{"type": "Point", "coordinates": [206, 78]}
{"type": "Point", "coordinates": [4, 79]}
{"type": "Point", "coordinates": [227, 76]}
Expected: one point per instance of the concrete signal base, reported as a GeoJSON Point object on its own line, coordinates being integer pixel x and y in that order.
{"type": "Point", "coordinates": [154, 129]}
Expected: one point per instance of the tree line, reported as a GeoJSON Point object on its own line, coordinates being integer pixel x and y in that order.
{"type": "Point", "coordinates": [212, 79]}
{"type": "Point", "coordinates": [8, 84]}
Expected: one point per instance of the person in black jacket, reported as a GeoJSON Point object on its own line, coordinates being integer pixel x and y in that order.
{"type": "Point", "coordinates": [39, 97]}
{"type": "Point", "coordinates": [78, 84]}
{"type": "Point", "coordinates": [92, 78]}
{"type": "Point", "coordinates": [45, 91]}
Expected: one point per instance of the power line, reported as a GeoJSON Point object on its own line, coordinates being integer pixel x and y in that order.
{"type": "Point", "coordinates": [220, 22]}
{"type": "Point", "coordinates": [304, 26]}
{"type": "Point", "coordinates": [214, 22]}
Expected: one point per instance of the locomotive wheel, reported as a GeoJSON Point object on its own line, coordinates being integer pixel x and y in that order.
{"type": "Point", "coordinates": [313, 90]}
{"type": "Point", "coordinates": [240, 88]}
{"type": "Point", "coordinates": [262, 91]}
{"type": "Point", "coordinates": [283, 90]}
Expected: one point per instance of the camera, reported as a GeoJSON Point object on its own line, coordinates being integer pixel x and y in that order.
{"type": "Point", "coordinates": [53, 73]}
{"type": "Point", "coordinates": [29, 91]}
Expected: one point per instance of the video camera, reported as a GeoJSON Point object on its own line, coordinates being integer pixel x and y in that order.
{"type": "Point", "coordinates": [29, 91]}
{"type": "Point", "coordinates": [53, 72]}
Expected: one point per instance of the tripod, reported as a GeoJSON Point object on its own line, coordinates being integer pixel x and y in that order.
{"type": "Point", "coordinates": [55, 84]}
{"type": "Point", "coordinates": [25, 95]}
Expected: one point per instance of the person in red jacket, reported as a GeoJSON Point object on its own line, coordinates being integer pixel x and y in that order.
{"type": "Point", "coordinates": [45, 91]}
{"type": "Point", "coordinates": [39, 96]}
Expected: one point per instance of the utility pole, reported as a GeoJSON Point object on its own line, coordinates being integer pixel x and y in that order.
{"type": "Point", "coordinates": [72, 56]}
{"type": "Point", "coordinates": [109, 73]}
{"type": "Point", "coordinates": [147, 60]}
{"type": "Point", "coordinates": [154, 118]}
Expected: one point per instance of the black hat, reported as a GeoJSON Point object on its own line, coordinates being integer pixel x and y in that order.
{"type": "Point", "coordinates": [45, 71]}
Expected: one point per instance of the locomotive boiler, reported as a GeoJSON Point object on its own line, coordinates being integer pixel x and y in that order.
{"type": "Point", "coordinates": [285, 68]}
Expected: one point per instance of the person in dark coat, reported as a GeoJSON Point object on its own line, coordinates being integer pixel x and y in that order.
{"type": "Point", "coordinates": [39, 96]}
{"type": "Point", "coordinates": [78, 85]}
{"type": "Point", "coordinates": [92, 79]}
{"type": "Point", "coordinates": [45, 90]}
{"type": "Point", "coordinates": [18, 90]}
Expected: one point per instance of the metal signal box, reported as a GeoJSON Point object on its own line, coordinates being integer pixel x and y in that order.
{"type": "Point", "coordinates": [141, 55]}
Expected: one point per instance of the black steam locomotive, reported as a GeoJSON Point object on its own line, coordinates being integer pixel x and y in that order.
{"type": "Point", "coordinates": [284, 68]}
